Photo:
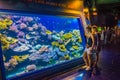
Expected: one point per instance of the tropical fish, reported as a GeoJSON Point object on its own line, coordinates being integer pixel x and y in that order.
{"type": "Point", "coordinates": [48, 32]}
{"type": "Point", "coordinates": [25, 56]}
{"type": "Point", "coordinates": [54, 43]}
{"type": "Point", "coordinates": [75, 47]}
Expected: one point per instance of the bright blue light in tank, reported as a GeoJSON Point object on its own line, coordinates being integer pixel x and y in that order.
{"type": "Point", "coordinates": [39, 41]}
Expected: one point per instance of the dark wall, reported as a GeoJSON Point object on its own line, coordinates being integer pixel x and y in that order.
{"type": "Point", "coordinates": [103, 20]}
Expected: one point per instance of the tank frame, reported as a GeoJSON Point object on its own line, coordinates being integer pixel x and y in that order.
{"type": "Point", "coordinates": [46, 71]}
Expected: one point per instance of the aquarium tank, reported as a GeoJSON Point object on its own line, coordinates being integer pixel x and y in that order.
{"type": "Point", "coordinates": [34, 42]}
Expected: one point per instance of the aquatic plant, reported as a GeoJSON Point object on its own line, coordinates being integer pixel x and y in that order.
{"type": "Point", "coordinates": [54, 43]}
{"type": "Point", "coordinates": [62, 48]}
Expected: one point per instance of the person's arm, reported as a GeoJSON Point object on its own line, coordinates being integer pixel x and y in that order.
{"type": "Point", "coordinates": [92, 41]}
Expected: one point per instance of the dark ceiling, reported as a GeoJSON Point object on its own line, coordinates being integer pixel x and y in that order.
{"type": "Point", "coordinates": [110, 7]}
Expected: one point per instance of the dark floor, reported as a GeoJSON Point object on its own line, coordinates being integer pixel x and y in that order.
{"type": "Point", "coordinates": [109, 67]}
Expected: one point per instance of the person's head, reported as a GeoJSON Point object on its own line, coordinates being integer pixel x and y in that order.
{"type": "Point", "coordinates": [94, 30]}
{"type": "Point", "coordinates": [88, 29]}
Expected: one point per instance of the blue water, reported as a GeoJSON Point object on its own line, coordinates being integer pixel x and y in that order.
{"type": "Point", "coordinates": [37, 39]}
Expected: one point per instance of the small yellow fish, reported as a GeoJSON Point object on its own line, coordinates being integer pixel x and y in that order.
{"type": "Point", "coordinates": [25, 56]}
{"type": "Point", "coordinates": [75, 47]}
{"type": "Point", "coordinates": [48, 32]}
{"type": "Point", "coordinates": [54, 43]}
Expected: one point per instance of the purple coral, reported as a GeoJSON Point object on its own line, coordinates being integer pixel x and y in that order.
{"type": "Point", "coordinates": [30, 19]}
{"type": "Point", "coordinates": [20, 34]}
{"type": "Point", "coordinates": [30, 28]}
{"type": "Point", "coordinates": [35, 26]}
{"type": "Point", "coordinates": [13, 28]}
{"type": "Point", "coordinates": [22, 40]}
{"type": "Point", "coordinates": [49, 37]}
{"type": "Point", "coordinates": [13, 46]}
{"type": "Point", "coordinates": [23, 25]}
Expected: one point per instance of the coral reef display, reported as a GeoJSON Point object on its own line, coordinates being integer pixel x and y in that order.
{"type": "Point", "coordinates": [32, 43]}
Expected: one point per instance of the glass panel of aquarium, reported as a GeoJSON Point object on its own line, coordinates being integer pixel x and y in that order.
{"type": "Point", "coordinates": [35, 42]}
